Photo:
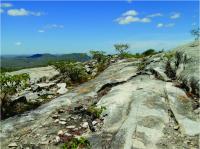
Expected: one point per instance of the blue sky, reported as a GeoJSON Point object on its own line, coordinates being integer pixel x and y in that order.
{"type": "Point", "coordinates": [66, 27]}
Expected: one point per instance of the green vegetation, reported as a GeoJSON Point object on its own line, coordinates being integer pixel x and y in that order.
{"type": "Point", "coordinates": [141, 66]}
{"type": "Point", "coordinates": [98, 55]}
{"type": "Point", "coordinates": [10, 84]}
{"type": "Point", "coordinates": [96, 112]}
{"type": "Point", "coordinates": [169, 55]}
{"type": "Point", "coordinates": [73, 70]}
{"type": "Point", "coordinates": [122, 49]}
{"type": "Point", "coordinates": [196, 33]}
{"type": "Point", "coordinates": [170, 72]}
{"type": "Point", "coordinates": [149, 52]}
{"type": "Point", "coordinates": [76, 143]}
{"type": "Point", "coordinates": [102, 60]}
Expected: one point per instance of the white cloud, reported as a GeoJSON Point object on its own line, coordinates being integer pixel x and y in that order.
{"type": "Point", "coordinates": [155, 15]}
{"type": "Point", "coordinates": [50, 26]}
{"type": "Point", "coordinates": [145, 20]}
{"type": "Point", "coordinates": [169, 25]}
{"type": "Point", "coordinates": [18, 43]}
{"type": "Point", "coordinates": [36, 13]}
{"type": "Point", "coordinates": [23, 12]}
{"type": "Point", "coordinates": [5, 5]}
{"type": "Point", "coordinates": [129, 1]}
{"type": "Point", "coordinates": [160, 25]}
{"type": "Point", "coordinates": [175, 15]}
{"type": "Point", "coordinates": [130, 13]}
{"type": "Point", "coordinates": [1, 10]}
{"type": "Point", "coordinates": [18, 12]}
{"type": "Point", "coordinates": [130, 17]}
{"type": "Point", "coordinates": [41, 31]}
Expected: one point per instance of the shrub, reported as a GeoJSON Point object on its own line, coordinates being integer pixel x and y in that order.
{"type": "Point", "coordinates": [196, 33]}
{"type": "Point", "coordinates": [149, 52]}
{"type": "Point", "coordinates": [169, 55]}
{"type": "Point", "coordinates": [73, 70]}
{"type": "Point", "coordinates": [98, 55]}
{"type": "Point", "coordinates": [76, 143]}
{"type": "Point", "coordinates": [96, 112]}
{"type": "Point", "coordinates": [170, 72]}
{"type": "Point", "coordinates": [10, 84]}
{"type": "Point", "coordinates": [141, 66]}
{"type": "Point", "coordinates": [102, 59]}
{"type": "Point", "coordinates": [121, 48]}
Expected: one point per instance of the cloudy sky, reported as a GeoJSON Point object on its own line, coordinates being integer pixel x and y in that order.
{"type": "Point", "coordinates": [66, 27]}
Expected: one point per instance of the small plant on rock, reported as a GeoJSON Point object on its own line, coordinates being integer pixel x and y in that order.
{"type": "Point", "coordinates": [149, 52]}
{"type": "Point", "coordinates": [76, 143]}
{"type": "Point", "coordinates": [121, 48]}
{"type": "Point", "coordinates": [98, 55]}
{"type": "Point", "coordinates": [11, 84]}
{"type": "Point", "coordinates": [96, 112]}
{"type": "Point", "coordinates": [169, 55]}
{"type": "Point", "coordinates": [141, 66]}
{"type": "Point", "coordinates": [72, 70]}
{"type": "Point", "coordinates": [170, 72]}
{"type": "Point", "coordinates": [102, 60]}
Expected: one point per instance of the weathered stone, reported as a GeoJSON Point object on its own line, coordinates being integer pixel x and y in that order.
{"type": "Point", "coordinates": [62, 88]}
{"type": "Point", "coordinates": [13, 144]}
{"type": "Point", "coordinates": [36, 74]}
{"type": "Point", "coordinates": [142, 110]}
{"type": "Point", "coordinates": [71, 127]}
{"type": "Point", "coordinates": [60, 132]}
{"type": "Point", "coordinates": [57, 139]}
{"type": "Point", "coordinates": [84, 125]}
{"type": "Point", "coordinates": [62, 122]}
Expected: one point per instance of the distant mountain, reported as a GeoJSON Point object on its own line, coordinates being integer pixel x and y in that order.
{"type": "Point", "coordinates": [35, 56]}
{"type": "Point", "coordinates": [37, 60]}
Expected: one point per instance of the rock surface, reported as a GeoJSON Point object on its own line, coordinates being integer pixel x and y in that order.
{"type": "Point", "coordinates": [144, 109]}
{"type": "Point", "coordinates": [37, 74]}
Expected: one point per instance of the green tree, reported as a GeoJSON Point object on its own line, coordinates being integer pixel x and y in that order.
{"type": "Point", "coordinates": [98, 55]}
{"type": "Point", "coordinates": [121, 48]}
{"type": "Point", "coordinates": [149, 52]}
{"type": "Point", "coordinates": [75, 71]}
{"type": "Point", "coordinates": [196, 33]}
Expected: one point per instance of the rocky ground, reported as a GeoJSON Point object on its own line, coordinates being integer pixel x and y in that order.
{"type": "Point", "coordinates": [150, 103]}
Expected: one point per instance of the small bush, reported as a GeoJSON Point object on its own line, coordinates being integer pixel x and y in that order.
{"type": "Point", "coordinates": [10, 84]}
{"type": "Point", "coordinates": [76, 143]}
{"type": "Point", "coordinates": [141, 66]}
{"type": "Point", "coordinates": [96, 112]}
{"type": "Point", "coordinates": [170, 72]}
{"type": "Point", "coordinates": [196, 33]}
{"type": "Point", "coordinates": [121, 48]}
{"type": "Point", "coordinates": [149, 52]}
{"type": "Point", "coordinates": [169, 55]}
{"type": "Point", "coordinates": [98, 55]}
{"type": "Point", "coordinates": [73, 70]}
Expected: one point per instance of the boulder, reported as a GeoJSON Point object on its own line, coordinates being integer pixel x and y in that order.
{"type": "Point", "coordinates": [62, 88]}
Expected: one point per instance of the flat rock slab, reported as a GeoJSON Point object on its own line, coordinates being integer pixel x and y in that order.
{"type": "Point", "coordinates": [36, 74]}
{"type": "Point", "coordinates": [138, 113]}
